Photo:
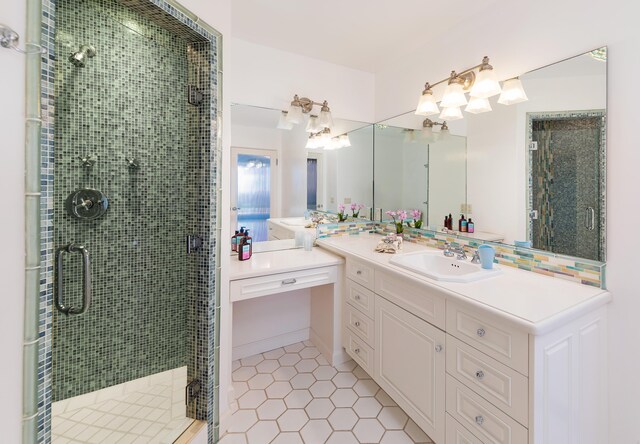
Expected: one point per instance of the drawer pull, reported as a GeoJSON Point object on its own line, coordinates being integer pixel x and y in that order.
{"type": "Point", "coordinates": [357, 350]}
{"type": "Point", "coordinates": [479, 375]}
{"type": "Point", "coordinates": [357, 323]}
{"type": "Point", "coordinates": [359, 272]}
{"type": "Point", "coordinates": [479, 420]}
{"type": "Point", "coordinates": [289, 281]}
{"type": "Point", "coordinates": [438, 348]}
{"type": "Point", "coordinates": [357, 297]}
{"type": "Point", "coordinates": [480, 332]}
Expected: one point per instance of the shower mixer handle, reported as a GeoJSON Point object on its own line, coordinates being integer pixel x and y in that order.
{"type": "Point", "coordinates": [59, 278]}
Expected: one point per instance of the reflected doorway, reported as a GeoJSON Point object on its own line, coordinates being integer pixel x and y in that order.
{"type": "Point", "coordinates": [253, 190]}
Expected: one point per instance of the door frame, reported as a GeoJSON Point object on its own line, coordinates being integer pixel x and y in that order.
{"type": "Point", "coordinates": [274, 192]}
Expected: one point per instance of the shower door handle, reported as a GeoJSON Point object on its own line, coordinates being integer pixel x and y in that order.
{"type": "Point", "coordinates": [86, 279]}
{"type": "Point", "coordinates": [590, 219]}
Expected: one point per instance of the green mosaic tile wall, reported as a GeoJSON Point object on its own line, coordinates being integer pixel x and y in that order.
{"type": "Point", "coordinates": [129, 101]}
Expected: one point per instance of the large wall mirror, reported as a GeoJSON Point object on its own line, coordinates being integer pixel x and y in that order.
{"type": "Point", "coordinates": [530, 173]}
{"type": "Point", "coordinates": [277, 180]}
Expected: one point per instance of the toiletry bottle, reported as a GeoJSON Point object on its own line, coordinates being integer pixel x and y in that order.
{"type": "Point", "coordinates": [464, 224]}
{"type": "Point", "coordinates": [245, 247]}
{"type": "Point", "coordinates": [446, 221]}
{"type": "Point", "coordinates": [239, 236]}
{"type": "Point", "coordinates": [471, 227]}
{"type": "Point", "coordinates": [450, 222]}
{"type": "Point", "coordinates": [460, 222]}
{"type": "Point", "coordinates": [234, 241]}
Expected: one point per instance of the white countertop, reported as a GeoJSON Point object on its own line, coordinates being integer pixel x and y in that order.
{"type": "Point", "coordinates": [536, 302]}
{"type": "Point", "coordinates": [283, 261]}
{"type": "Point", "coordinates": [280, 221]}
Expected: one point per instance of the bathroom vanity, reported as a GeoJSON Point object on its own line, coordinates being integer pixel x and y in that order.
{"type": "Point", "coordinates": [517, 358]}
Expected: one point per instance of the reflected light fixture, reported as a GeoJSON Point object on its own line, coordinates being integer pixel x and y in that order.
{"type": "Point", "coordinates": [480, 86]}
{"type": "Point", "coordinates": [312, 125]}
{"type": "Point", "coordinates": [453, 113]}
{"type": "Point", "coordinates": [512, 92]}
{"type": "Point", "coordinates": [427, 130]}
{"type": "Point", "coordinates": [283, 123]}
{"type": "Point", "coordinates": [478, 105]}
{"type": "Point", "coordinates": [302, 105]}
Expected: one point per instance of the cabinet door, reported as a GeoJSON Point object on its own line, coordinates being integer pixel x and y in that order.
{"type": "Point", "coordinates": [409, 364]}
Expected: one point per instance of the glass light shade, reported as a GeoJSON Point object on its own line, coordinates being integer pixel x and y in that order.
{"type": "Point", "coordinates": [443, 134]}
{"type": "Point", "coordinates": [453, 96]}
{"type": "Point", "coordinates": [427, 106]}
{"type": "Point", "coordinates": [344, 141]}
{"type": "Point", "coordinates": [310, 143]}
{"type": "Point", "coordinates": [512, 92]}
{"type": "Point", "coordinates": [478, 105]}
{"type": "Point", "coordinates": [451, 114]}
{"type": "Point", "coordinates": [427, 133]}
{"type": "Point", "coordinates": [325, 137]}
{"type": "Point", "coordinates": [486, 85]}
{"type": "Point", "coordinates": [312, 125]}
{"type": "Point", "coordinates": [325, 120]}
{"type": "Point", "coordinates": [295, 114]}
{"type": "Point", "coordinates": [409, 136]}
{"type": "Point", "coordinates": [283, 123]}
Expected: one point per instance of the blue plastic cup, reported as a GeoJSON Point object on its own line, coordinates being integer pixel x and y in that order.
{"type": "Point", "coordinates": [487, 254]}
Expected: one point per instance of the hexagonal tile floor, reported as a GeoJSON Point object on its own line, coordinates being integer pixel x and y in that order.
{"type": "Point", "coordinates": [292, 395]}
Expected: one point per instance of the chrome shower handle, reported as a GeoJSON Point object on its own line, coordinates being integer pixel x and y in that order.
{"type": "Point", "coordinates": [590, 219]}
{"type": "Point", "coordinates": [86, 279]}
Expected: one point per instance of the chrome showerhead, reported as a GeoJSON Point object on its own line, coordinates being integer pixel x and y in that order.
{"type": "Point", "coordinates": [79, 58]}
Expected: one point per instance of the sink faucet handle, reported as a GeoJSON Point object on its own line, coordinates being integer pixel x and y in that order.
{"type": "Point", "coordinates": [448, 252]}
{"type": "Point", "coordinates": [476, 258]}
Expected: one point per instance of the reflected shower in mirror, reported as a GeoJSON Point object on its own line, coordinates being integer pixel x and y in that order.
{"type": "Point", "coordinates": [280, 177]}
{"type": "Point", "coordinates": [535, 170]}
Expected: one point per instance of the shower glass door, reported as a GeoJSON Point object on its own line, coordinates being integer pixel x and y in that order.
{"type": "Point", "coordinates": [131, 182]}
{"type": "Point", "coordinates": [566, 171]}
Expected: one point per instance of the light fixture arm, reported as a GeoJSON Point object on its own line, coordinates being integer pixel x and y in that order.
{"type": "Point", "coordinates": [465, 78]}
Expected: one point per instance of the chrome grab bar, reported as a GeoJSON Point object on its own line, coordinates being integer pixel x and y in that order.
{"type": "Point", "coordinates": [86, 279]}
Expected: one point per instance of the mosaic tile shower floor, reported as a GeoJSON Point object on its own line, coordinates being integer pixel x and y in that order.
{"type": "Point", "coordinates": [147, 410]}
{"type": "Point", "coordinates": [292, 395]}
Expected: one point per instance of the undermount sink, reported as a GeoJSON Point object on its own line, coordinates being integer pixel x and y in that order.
{"type": "Point", "coordinates": [441, 268]}
{"type": "Point", "coordinates": [295, 221]}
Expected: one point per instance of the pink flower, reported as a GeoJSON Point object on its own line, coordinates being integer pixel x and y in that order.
{"type": "Point", "coordinates": [341, 208]}
{"type": "Point", "coordinates": [402, 215]}
{"type": "Point", "coordinates": [354, 206]}
{"type": "Point", "coordinates": [391, 213]}
{"type": "Point", "coordinates": [416, 214]}
{"type": "Point", "coordinates": [361, 206]}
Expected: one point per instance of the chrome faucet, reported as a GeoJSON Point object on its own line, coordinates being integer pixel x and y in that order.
{"type": "Point", "coordinates": [448, 252]}
{"type": "Point", "coordinates": [461, 254]}
{"type": "Point", "coordinates": [476, 258]}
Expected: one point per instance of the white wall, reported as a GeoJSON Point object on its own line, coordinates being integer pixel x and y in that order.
{"type": "Point", "coordinates": [268, 77]}
{"type": "Point", "coordinates": [520, 36]}
{"type": "Point", "coordinates": [12, 225]}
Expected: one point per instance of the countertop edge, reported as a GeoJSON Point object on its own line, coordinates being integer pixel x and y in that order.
{"type": "Point", "coordinates": [535, 328]}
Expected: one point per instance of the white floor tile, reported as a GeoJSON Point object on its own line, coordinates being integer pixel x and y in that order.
{"type": "Point", "coordinates": [368, 430]}
{"type": "Point", "coordinates": [278, 389]}
{"type": "Point", "coordinates": [292, 420]}
{"type": "Point", "coordinates": [319, 408]}
{"type": "Point", "coordinates": [342, 438]}
{"type": "Point", "coordinates": [263, 432]}
{"type": "Point", "coordinates": [271, 409]}
{"type": "Point", "coordinates": [392, 418]}
{"type": "Point", "coordinates": [288, 438]}
{"type": "Point", "coordinates": [316, 431]}
{"type": "Point", "coordinates": [343, 419]}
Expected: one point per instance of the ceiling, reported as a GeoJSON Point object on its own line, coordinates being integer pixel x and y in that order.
{"type": "Point", "coordinates": [361, 34]}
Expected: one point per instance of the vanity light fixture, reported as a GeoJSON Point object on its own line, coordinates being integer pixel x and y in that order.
{"type": "Point", "coordinates": [429, 134]}
{"type": "Point", "coordinates": [283, 123]}
{"type": "Point", "coordinates": [302, 105]}
{"type": "Point", "coordinates": [324, 140]}
{"type": "Point", "coordinates": [312, 125]}
{"type": "Point", "coordinates": [512, 92]}
{"type": "Point", "coordinates": [480, 86]}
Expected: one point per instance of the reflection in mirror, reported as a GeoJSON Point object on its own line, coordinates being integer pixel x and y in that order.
{"type": "Point", "coordinates": [535, 170]}
{"type": "Point", "coordinates": [277, 181]}
{"type": "Point", "coordinates": [415, 170]}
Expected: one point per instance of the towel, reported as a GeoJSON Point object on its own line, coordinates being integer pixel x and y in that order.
{"type": "Point", "coordinates": [389, 244]}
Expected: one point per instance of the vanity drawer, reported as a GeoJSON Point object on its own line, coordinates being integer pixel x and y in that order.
{"type": "Point", "coordinates": [277, 283]}
{"type": "Point", "coordinates": [360, 298]}
{"type": "Point", "coordinates": [417, 299]}
{"type": "Point", "coordinates": [457, 434]}
{"type": "Point", "coordinates": [482, 418]}
{"type": "Point", "coordinates": [359, 351]}
{"type": "Point", "coordinates": [360, 272]}
{"type": "Point", "coordinates": [499, 384]}
{"type": "Point", "coordinates": [359, 324]}
{"type": "Point", "coordinates": [490, 335]}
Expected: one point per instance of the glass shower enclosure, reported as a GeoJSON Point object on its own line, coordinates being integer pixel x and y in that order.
{"type": "Point", "coordinates": [132, 222]}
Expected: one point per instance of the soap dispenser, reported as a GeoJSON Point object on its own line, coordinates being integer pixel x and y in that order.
{"type": "Point", "coordinates": [245, 247]}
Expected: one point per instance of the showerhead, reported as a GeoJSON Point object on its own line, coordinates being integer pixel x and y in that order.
{"type": "Point", "coordinates": [79, 58]}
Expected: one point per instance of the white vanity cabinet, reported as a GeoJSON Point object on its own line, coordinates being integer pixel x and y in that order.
{"type": "Point", "coordinates": [467, 373]}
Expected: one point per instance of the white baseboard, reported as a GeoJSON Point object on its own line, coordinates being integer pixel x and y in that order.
{"type": "Point", "coordinates": [268, 344]}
